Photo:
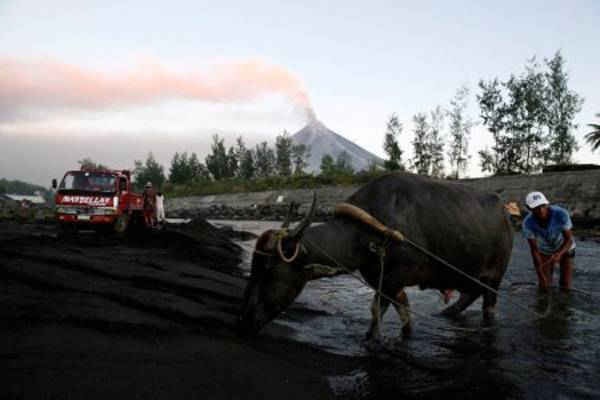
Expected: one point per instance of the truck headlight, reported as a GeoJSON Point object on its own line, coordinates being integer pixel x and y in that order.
{"type": "Point", "coordinates": [105, 211]}
{"type": "Point", "coordinates": [66, 210]}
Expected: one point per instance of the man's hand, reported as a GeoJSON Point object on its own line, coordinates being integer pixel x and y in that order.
{"type": "Point", "coordinates": [554, 259]}
{"type": "Point", "coordinates": [543, 282]}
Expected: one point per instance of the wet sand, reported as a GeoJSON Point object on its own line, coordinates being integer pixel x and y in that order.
{"type": "Point", "coordinates": [99, 317]}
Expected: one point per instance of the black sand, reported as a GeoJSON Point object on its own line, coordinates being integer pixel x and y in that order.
{"type": "Point", "coordinates": [98, 317]}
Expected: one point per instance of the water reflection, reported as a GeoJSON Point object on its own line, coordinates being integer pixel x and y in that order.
{"type": "Point", "coordinates": [556, 325]}
{"type": "Point", "coordinates": [513, 355]}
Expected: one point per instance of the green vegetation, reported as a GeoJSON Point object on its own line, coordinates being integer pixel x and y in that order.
{"type": "Point", "coordinates": [391, 145]}
{"type": "Point", "coordinates": [530, 117]}
{"type": "Point", "coordinates": [460, 130]}
{"type": "Point", "coordinates": [149, 171]}
{"type": "Point", "coordinates": [88, 163]}
{"type": "Point", "coordinates": [20, 187]}
{"type": "Point", "coordinates": [593, 137]}
{"type": "Point", "coordinates": [240, 185]}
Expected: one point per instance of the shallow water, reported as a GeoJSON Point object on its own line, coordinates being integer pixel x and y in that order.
{"type": "Point", "coordinates": [517, 356]}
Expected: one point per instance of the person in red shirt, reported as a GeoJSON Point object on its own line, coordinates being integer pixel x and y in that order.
{"type": "Point", "coordinates": [149, 204]}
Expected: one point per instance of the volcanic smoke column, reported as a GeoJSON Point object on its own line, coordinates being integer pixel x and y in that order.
{"type": "Point", "coordinates": [50, 84]}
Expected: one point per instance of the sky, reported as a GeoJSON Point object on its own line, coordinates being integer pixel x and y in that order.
{"type": "Point", "coordinates": [114, 80]}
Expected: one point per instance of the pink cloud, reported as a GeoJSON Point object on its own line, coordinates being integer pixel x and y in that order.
{"type": "Point", "coordinates": [50, 83]}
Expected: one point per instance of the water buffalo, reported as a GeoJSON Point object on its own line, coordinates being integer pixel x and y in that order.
{"type": "Point", "coordinates": [467, 228]}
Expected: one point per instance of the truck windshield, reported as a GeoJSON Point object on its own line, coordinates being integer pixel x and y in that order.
{"type": "Point", "coordinates": [88, 181]}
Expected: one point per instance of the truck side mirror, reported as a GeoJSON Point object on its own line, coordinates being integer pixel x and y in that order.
{"type": "Point", "coordinates": [54, 184]}
{"type": "Point", "coordinates": [122, 185]}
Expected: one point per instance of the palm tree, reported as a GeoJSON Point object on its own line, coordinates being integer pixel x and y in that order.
{"type": "Point", "coordinates": [593, 138]}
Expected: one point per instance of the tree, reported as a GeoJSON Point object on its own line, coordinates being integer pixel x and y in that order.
{"type": "Point", "coordinates": [180, 171]}
{"type": "Point", "coordinates": [593, 137]}
{"type": "Point", "coordinates": [283, 154]}
{"type": "Point", "coordinates": [507, 119]}
{"type": "Point", "coordinates": [199, 170]}
{"type": "Point", "coordinates": [327, 165]}
{"type": "Point", "coordinates": [391, 146]}
{"type": "Point", "coordinates": [232, 163]}
{"type": "Point", "coordinates": [150, 171]}
{"type": "Point", "coordinates": [240, 153]}
{"type": "Point", "coordinates": [421, 161]}
{"type": "Point", "coordinates": [217, 162]}
{"type": "Point", "coordinates": [493, 114]}
{"type": "Point", "coordinates": [300, 156]}
{"type": "Point", "coordinates": [88, 163]}
{"type": "Point", "coordinates": [460, 130]}
{"type": "Point", "coordinates": [562, 106]}
{"type": "Point", "coordinates": [436, 143]}
{"type": "Point", "coordinates": [265, 160]}
{"type": "Point", "coordinates": [487, 160]}
{"type": "Point", "coordinates": [526, 116]}
{"type": "Point", "coordinates": [533, 125]}
{"type": "Point", "coordinates": [247, 165]}
{"type": "Point", "coordinates": [343, 164]}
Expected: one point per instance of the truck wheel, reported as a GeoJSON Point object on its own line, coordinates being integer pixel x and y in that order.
{"type": "Point", "coordinates": [121, 224]}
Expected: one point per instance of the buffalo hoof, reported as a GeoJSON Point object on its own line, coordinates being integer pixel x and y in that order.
{"type": "Point", "coordinates": [374, 344]}
{"type": "Point", "coordinates": [448, 313]}
{"type": "Point", "coordinates": [489, 315]}
{"type": "Point", "coordinates": [407, 330]}
{"type": "Point", "coordinates": [372, 334]}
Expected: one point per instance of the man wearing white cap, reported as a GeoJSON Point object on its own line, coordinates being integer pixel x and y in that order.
{"type": "Point", "coordinates": [548, 230]}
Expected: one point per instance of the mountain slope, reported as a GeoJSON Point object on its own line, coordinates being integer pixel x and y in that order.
{"type": "Point", "coordinates": [323, 140]}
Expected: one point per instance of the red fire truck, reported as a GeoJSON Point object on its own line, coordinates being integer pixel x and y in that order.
{"type": "Point", "coordinates": [97, 199]}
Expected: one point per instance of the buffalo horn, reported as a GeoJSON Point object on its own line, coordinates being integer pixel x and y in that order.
{"type": "Point", "coordinates": [296, 233]}
{"type": "Point", "coordinates": [288, 217]}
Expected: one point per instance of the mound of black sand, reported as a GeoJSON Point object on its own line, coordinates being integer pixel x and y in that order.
{"type": "Point", "coordinates": [199, 241]}
{"type": "Point", "coordinates": [150, 316]}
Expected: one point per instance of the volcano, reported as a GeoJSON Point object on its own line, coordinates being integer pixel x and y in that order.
{"type": "Point", "coordinates": [323, 140]}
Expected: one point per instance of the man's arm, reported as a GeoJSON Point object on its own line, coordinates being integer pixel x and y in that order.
{"type": "Point", "coordinates": [537, 262]}
{"type": "Point", "coordinates": [564, 247]}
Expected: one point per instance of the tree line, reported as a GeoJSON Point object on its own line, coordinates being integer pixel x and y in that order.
{"type": "Point", "coordinates": [20, 187]}
{"type": "Point", "coordinates": [285, 159]}
{"type": "Point", "coordinates": [429, 142]}
{"type": "Point", "coordinates": [530, 116]}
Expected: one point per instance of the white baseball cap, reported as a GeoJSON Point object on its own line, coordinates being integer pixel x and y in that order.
{"type": "Point", "coordinates": [536, 199]}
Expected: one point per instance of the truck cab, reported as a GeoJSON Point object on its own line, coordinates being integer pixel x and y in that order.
{"type": "Point", "coordinates": [97, 199]}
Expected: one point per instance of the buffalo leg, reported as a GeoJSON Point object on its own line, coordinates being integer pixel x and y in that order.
{"type": "Point", "coordinates": [464, 301]}
{"type": "Point", "coordinates": [402, 307]}
{"type": "Point", "coordinates": [489, 301]}
{"type": "Point", "coordinates": [378, 308]}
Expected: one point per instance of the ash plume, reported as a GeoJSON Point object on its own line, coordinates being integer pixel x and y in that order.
{"type": "Point", "coordinates": [54, 84]}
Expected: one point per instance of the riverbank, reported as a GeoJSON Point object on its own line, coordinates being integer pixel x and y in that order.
{"type": "Point", "coordinates": [577, 191]}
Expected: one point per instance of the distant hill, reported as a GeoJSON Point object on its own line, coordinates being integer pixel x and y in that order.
{"type": "Point", "coordinates": [20, 187]}
{"type": "Point", "coordinates": [323, 140]}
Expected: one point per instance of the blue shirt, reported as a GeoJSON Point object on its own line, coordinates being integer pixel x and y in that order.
{"type": "Point", "coordinates": [550, 238]}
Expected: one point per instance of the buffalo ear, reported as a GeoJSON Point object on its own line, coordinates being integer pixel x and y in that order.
{"type": "Point", "coordinates": [316, 271]}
